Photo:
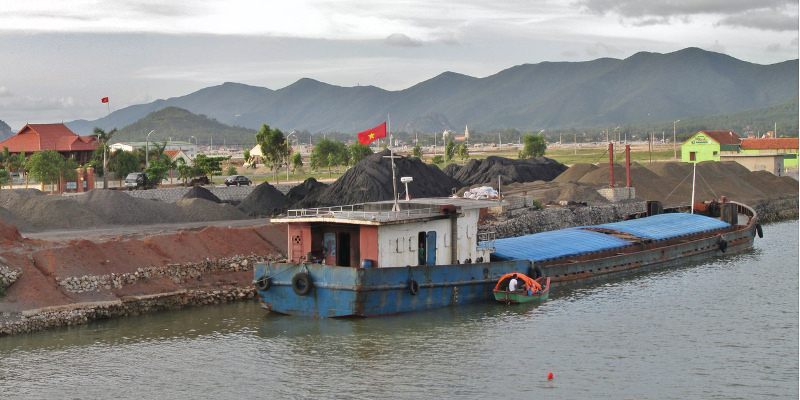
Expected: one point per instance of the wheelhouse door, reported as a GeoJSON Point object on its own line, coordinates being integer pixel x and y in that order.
{"type": "Point", "coordinates": [431, 248]}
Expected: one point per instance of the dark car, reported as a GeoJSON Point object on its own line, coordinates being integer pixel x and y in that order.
{"type": "Point", "coordinates": [237, 180]}
{"type": "Point", "coordinates": [138, 180]}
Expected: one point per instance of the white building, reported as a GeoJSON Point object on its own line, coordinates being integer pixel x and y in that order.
{"type": "Point", "coordinates": [188, 148]}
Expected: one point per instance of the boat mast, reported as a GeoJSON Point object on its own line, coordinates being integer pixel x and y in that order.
{"type": "Point", "coordinates": [694, 176]}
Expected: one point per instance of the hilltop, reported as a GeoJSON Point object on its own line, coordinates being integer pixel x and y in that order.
{"type": "Point", "coordinates": [180, 124]}
{"type": "Point", "coordinates": [646, 87]}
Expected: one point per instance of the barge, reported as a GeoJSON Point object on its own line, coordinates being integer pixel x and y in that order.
{"type": "Point", "coordinates": [652, 240]}
{"type": "Point", "coordinates": [374, 259]}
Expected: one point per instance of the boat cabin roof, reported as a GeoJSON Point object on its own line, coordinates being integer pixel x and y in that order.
{"type": "Point", "coordinates": [380, 213]}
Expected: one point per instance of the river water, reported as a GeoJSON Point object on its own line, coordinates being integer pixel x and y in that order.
{"type": "Point", "coordinates": [726, 328]}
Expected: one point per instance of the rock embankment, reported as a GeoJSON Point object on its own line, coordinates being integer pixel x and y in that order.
{"type": "Point", "coordinates": [139, 302]}
{"type": "Point", "coordinates": [81, 313]}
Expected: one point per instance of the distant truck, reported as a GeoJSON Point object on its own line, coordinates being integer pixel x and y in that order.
{"type": "Point", "coordinates": [139, 180]}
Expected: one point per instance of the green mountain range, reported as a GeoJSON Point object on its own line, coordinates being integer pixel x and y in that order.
{"type": "Point", "coordinates": [644, 88]}
{"type": "Point", "coordinates": [173, 123]}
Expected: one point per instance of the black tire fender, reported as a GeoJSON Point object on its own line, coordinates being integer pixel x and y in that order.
{"type": "Point", "coordinates": [413, 287]}
{"type": "Point", "coordinates": [759, 231]}
{"type": "Point", "coordinates": [302, 284]}
{"type": "Point", "coordinates": [535, 272]}
{"type": "Point", "coordinates": [723, 245]}
{"type": "Point", "coordinates": [264, 283]}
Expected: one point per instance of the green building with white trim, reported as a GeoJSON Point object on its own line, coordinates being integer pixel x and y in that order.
{"type": "Point", "coordinates": [709, 145]}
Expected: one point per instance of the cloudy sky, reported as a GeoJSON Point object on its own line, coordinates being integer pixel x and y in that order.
{"type": "Point", "coordinates": [59, 58]}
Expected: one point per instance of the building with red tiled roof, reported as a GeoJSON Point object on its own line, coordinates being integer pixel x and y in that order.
{"type": "Point", "coordinates": [786, 146]}
{"type": "Point", "coordinates": [38, 137]}
{"type": "Point", "coordinates": [177, 154]}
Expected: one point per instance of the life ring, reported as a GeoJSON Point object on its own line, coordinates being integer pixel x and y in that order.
{"type": "Point", "coordinates": [302, 284]}
{"type": "Point", "coordinates": [263, 283]}
{"type": "Point", "coordinates": [759, 231]}
{"type": "Point", "coordinates": [536, 272]}
{"type": "Point", "coordinates": [413, 287]}
{"type": "Point", "coordinates": [723, 245]}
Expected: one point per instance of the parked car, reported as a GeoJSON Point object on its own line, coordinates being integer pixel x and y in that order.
{"type": "Point", "coordinates": [199, 181]}
{"type": "Point", "coordinates": [138, 180]}
{"type": "Point", "coordinates": [237, 180]}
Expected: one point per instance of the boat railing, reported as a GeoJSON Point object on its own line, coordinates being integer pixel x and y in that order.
{"type": "Point", "coordinates": [357, 212]}
{"type": "Point", "coordinates": [486, 240]}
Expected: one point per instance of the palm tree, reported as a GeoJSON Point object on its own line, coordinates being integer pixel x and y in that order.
{"type": "Point", "coordinates": [102, 138]}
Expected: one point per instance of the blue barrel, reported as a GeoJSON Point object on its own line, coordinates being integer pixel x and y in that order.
{"type": "Point", "coordinates": [366, 263]}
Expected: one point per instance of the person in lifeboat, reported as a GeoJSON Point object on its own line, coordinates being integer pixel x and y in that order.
{"type": "Point", "coordinates": [519, 283]}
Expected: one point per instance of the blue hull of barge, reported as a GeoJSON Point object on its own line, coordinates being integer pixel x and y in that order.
{"type": "Point", "coordinates": [366, 292]}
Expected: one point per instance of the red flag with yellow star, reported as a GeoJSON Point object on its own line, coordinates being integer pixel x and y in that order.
{"type": "Point", "coordinates": [369, 135]}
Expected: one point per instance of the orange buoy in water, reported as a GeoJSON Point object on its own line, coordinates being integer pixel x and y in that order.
{"type": "Point", "coordinates": [550, 376]}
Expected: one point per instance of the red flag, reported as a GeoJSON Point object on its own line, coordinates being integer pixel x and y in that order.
{"type": "Point", "coordinates": [104, 99]}
{"type": "Point", "coordinates": [369, 135]}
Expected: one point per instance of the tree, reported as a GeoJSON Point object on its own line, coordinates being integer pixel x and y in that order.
{"type": "Point", "coordinates": [102, 138]}
{"type": "Point", "coordinates": [417, 151]}
{"type": "Point", "coordinates": [5, 177]}
{"type": "Point", "coordinates": [185, 172]}
{"type": "Point", "coordinates": [126, 162]}
{"type": "Point", "coordinates": [359, 152]}
{"type": "Point", "coordinates": [249, 161]}
{"type": "Point", "coordinates": [273, 147]}
{"type": "Point", "coordinates": [17, 162]}
{"type": "Point", "coordinates": [297, 162]}
{"type": "Point", "coordinates": [449, 151]}
{"type": "Point", "coordinates": [231, 170]}
{"type": "Point", "coordinates": [49, 166]}
{"type": "Point", "coordinates": [437, 159]}
{"type": "Point", "coordinates": [463, 152]}
{"type": "Point", "coordinates": [157, 170]}
{"type": "Point", "coordinates": [535, 146]}
{"type": "Point", "coordinates": [327, 154]}
{"type": "Point", "coordinates": [208, 165]}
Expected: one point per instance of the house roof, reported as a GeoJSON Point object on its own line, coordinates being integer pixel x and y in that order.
{"type": "Point", "coordinates": [175, 153]}
{"type": "Point", "coordinates": [723, 137]}
{"type": "Point", "coordinates": [770, 144]}
{"type": "Point", "coordinates": [35, 137]}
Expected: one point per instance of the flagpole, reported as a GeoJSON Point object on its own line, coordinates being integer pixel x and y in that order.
{"type": "Point", "coordinates": [395, 207]}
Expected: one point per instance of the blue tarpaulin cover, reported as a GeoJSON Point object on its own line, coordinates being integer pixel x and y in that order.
{"type": "Point", "coordinates": [665, 226]}
{"type": "Point", "coordinates": [575, 241]}
{"type": "Point", "coordinates": [555, 244]}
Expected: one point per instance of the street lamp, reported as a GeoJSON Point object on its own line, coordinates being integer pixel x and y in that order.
{"type": "Point", "coordinates": [287, 154]}
{"type": "Point", "coordinates": [147, 150]}
{"type": "Point", "coordinates": [675, 139]}
{"type": "Point", "coordinates": [195, 143]}
{"type": "Point", "coordinates": [615, 132]}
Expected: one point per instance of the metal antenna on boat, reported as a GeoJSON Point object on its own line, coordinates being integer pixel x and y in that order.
{"type": "Point", "coordinates": [395, 206]}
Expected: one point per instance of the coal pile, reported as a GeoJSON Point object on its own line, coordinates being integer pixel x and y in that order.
{"type": "Point", "coordinates": [305, 192]}
{"type": "Point", "coordinates": [199, 192]}
{"type": "Point", "coordinates": [264, 201]}
{"type": "Point", "coordinates": [118, 208]}
{"type": "Point", "coordinates": [509, 170]}
{"type": "Point", "coordinates": [199, 210]}
{"type": "Point", "coordinates": [671, 182]}
{"type": "Point", "coordinates": [371, 180]}
{"type": "Point", "coordinates": [451, 170]}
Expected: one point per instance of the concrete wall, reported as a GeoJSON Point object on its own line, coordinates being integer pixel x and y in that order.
{"type": "Point", "coordinates": [759, 162]}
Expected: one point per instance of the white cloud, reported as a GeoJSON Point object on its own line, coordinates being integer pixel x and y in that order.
{"type": "Point", "coordinates": [4, 92]}
{"type": "Point", "coordinates": [399, 39]}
